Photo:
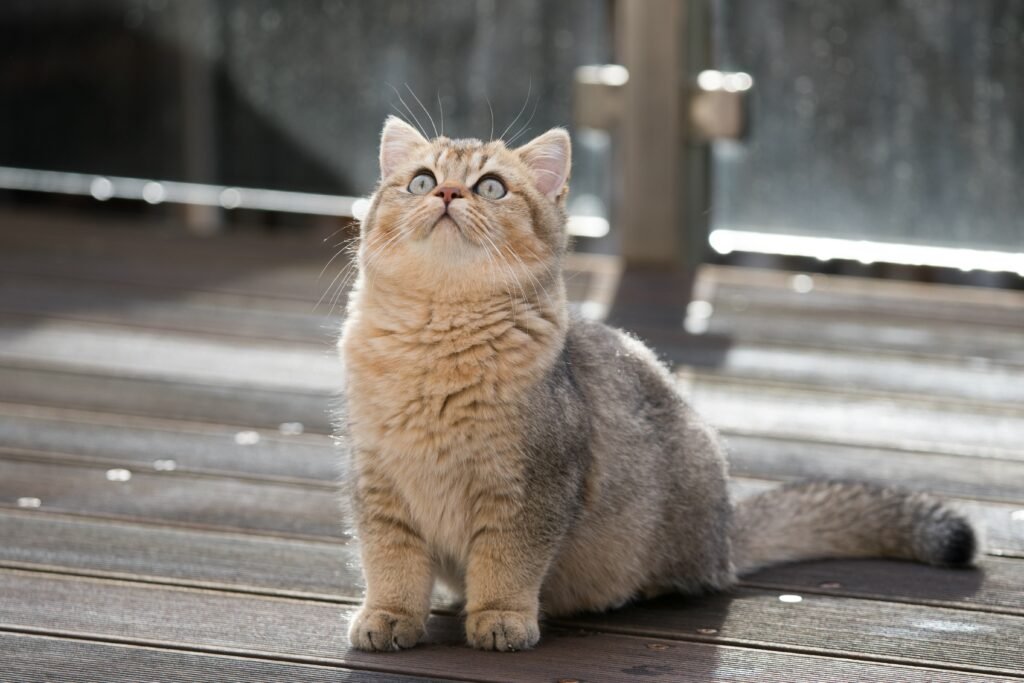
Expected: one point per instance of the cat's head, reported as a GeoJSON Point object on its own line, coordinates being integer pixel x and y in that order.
{"type": "Point", "coordinates": [466, 213]}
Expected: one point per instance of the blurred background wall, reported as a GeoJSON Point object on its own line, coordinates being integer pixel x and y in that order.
{"type": "Point", "coordinates": [890, 120]}
{"type": "Point", "coordinates": [275, 93]}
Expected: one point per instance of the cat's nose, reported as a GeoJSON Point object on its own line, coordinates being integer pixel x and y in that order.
{"type": "Point", "coordinates": [448, 192]}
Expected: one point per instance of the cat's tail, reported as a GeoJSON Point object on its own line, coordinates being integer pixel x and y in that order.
{"type": "Point", "coordinates": [833, 519]}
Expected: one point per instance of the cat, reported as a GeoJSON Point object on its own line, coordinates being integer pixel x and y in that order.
{"type": "Point", "coordinates": [535, 461]}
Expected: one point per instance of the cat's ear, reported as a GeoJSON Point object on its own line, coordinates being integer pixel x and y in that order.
{"type": "Point", "coordinates": [549, 156]}
{"type": "Point", "coordinates": [398, 142]}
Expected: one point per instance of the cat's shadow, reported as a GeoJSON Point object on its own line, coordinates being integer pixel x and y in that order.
{"type": "Point", "coordinates": [875, 579]}
{"type": "Point", "coordinates": [611, 644]}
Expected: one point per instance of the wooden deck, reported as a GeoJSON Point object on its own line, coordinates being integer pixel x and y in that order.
{"type": "Point", "coordinates": [162, 520]}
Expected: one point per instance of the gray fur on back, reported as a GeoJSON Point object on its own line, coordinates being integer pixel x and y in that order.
{"type": "Point", "coordinates": [614, 445]}
{"type": "Point", "coordinates": [617, 453]}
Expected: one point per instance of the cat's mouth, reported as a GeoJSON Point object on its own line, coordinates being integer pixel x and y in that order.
{"type": "Point", "coordinates": [446, 221]}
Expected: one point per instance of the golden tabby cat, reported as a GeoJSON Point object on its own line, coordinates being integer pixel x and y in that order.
{"type": "Point", "coordinates": [532, 461]}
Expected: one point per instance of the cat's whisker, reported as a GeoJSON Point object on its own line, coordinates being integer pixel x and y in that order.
{"type": "Point", "coordinates": [429, 117]}
{"type": "Point", "coordinates": [526, 126]}
{"type": "Point", "coordinates": [348, 268]}
{"type": "Point", "coordinates": [479, 223]}
{"type": "Point", "coordinates": [440, 105]}
{"type": "Point", "coordinates": [342, 270]}
{"type": "Point", "coordinates": [330, 287]}
{"type": "Point", "coordinates": [338, 253]}
{"type": "Point", "coordinates": [514, 284]}
{"type": "Point", "coordinates": [369, 260]}
{"type": "Point", "coordinates": [513, 281]}
{"type": "Point", "coordinates": [536, 282]}
{"type": "Point", "coordinates": [529, 91]}
{"type": "Point", "coordinates": [341, 229]}
{"type": "Point", "coordinates": [494, 258]}
{"type": "Point", "coordinates": [490, 109]}
{"type": "Point", "coordinates": [401, 114]}
{"type": "Point", "coordinates": [423, 132]}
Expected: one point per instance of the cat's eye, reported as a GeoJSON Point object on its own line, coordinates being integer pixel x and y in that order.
{"type": "Point", "coordinates": [490, 187]}
{"type": "Point", "coordinates": [422, 183]}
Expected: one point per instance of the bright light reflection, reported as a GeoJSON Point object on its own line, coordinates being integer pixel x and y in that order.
{"type": "Point", "coordinates": [101, 189]}
{"type": "Point", "coordinates": [359, 208]}
{"type": "Point", "coordinates": [153, 192]}
{"type": "Point", "coordinates": [230, 198]}
{"type": "Point", "coordinates": [735, 81]}
{"type": "Point", "coordinates": [728, 241]}
{"type": "Point", "coordinates": [587, 226]}
{"type": "Point", "coordinates": [603, 74]}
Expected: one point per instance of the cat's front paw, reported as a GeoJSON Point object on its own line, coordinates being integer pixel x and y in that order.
{"type": "Point", "coordinates": [377, 630]}
{"type": "Point", "coordinates": [502, 630]}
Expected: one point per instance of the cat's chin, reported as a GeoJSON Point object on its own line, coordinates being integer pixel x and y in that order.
{"type": "Point", "coordinates": [446, 223]}
{"type": "Point", "coordinates": [447, 232]}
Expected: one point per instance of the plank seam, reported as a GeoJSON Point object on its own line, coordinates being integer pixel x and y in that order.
{"type": "Point", "coordinates": [257, 655]}
{"type": "Point", "coordinates": [875, 597]}
{"type": "Point", "coordinates": [795, 649]}
{"type": "Point", "coordinates": [196, 526]}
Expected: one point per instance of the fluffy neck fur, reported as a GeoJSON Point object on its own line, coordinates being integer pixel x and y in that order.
{"type": "Point", "coordinates": [429, 363]}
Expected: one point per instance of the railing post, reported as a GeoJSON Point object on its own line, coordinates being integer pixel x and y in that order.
{"type": "Point", "coordinates": [662, 120]}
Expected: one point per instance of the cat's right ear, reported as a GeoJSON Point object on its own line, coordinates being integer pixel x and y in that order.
{"type": "Point", "coordinates": [549, 157]}
{"type": "Point", "coordinates": [398, 142]}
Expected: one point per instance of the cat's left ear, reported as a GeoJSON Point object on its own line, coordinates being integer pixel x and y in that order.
{"type": "Point", "coordinates": [398, 142]}
{"type": "Point", "coordinates": [549, 156]}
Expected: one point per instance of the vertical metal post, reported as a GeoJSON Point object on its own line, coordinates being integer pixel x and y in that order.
{"type": "Point", "coordinates": [662, 234]}
{"type": "Point", "coordinates": [199, 24]}
{"type": "Point", "coordinates": [651, 47]}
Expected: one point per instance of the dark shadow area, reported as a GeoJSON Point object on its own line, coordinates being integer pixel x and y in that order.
{"type": "Point", "coordinates": [888, 579]}
{"type": "Point", "coordinates": [86, 90]}
{"type": "Point", "coordinates": [651, 302]}
{"type": "Point", "coordinates": [671, 617]}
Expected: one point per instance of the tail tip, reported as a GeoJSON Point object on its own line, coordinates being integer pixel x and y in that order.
{"type": "Point", "coordinates": [957, 543]}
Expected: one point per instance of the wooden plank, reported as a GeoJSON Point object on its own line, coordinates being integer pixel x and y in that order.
{"type": "Point", "coordinates": [273, 265]}
{"type": "Point", "coordinates": [310, 631]}
{"type": "Point", "coordinates": [956, 475]}
{"type": "Point", "coordinates": [254, 406]}
{"type": "Point", "coordinates": [30, 658]}
{"type": "Point", "coordinates": [127, 352]}
{"type": "Point", "coordinates": [869, 371]}
{"type": "Point", "coordinates": [250, 318]}
{"type": "Point", "coordinates": [176, 497]}
{"type": "Point", "coordinates": [217, 271]}
{"type": "Point", "coordinates": [978, 345]}
{"type": "Point", "coordinates": [115, 439]}
{"type": "Point", "coordinates": [864, 419]}
{"type": "Point", "coordinates": [326, 569]}
{"type": "Point", "coordinates": [933, 310]}
{"type": "Point", "coordinates": [330, 570]}
{"type": "Point", "coordinates": [996, 586]}
{"type": "Point", "coordinates": [978, 641]}
{"type": "Point", "coordinates": [832, 291]}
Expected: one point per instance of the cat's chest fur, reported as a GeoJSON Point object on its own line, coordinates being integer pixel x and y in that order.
{"type": "Point", "coordinates": [434, 394]}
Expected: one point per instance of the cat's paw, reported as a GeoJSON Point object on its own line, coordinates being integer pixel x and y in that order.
{"type": "Point", "coordinates": [377, 630]}
{"type": "Point", "coordinates": [502, 630]}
